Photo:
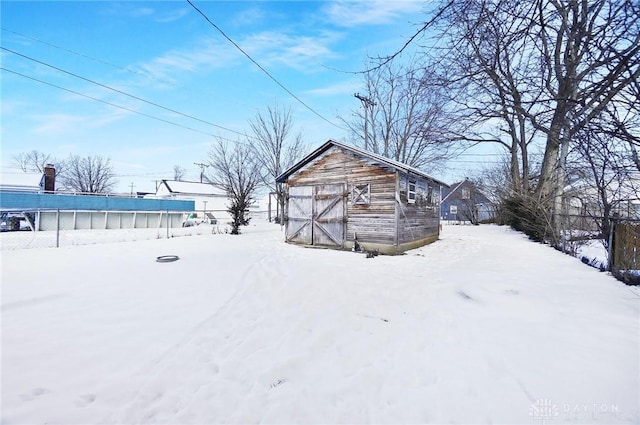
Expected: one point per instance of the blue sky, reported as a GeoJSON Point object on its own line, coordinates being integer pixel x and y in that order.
{"type": "Point", "coordinates": [168, 54]}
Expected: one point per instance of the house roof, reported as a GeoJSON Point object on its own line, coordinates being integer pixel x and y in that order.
{"type": "Point", "coordinates": [193, 188]}
{"type": "Point", "coordinates": [455, 187]}
{"type": "Point", "coordinates": [361, 152]}
{"type": "Point", "coordinates": [478, 196]}
{"type": "Point", "coordinates": [21, 181]}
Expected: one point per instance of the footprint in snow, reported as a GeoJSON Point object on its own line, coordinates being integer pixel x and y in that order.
{"type": "Point", "coordinates": [85, 400]}
{"type": "Point", "coordinates": [277, 383]}
{"type": "Point", "coordinates": [464, 295]}
{"type": "Point", "coordinates": [33, 394]}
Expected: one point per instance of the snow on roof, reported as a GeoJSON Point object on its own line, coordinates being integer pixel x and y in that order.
{"type": "Point", "coordinates": [21, 181]}
{"type": "Point", "coordinates": [194, 188]}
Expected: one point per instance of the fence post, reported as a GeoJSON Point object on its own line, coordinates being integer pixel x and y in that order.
{"type": "Point", "coordinates": [58, 228]}
{"type": "Point", "coordinates": [610, 248]}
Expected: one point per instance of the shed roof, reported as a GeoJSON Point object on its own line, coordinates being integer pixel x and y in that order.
{"type": "Point", "coordinates": [193, 188]}
{"type": "Point", "coordinates": [361, 152]}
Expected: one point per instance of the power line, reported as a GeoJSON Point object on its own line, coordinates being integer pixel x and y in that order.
{"type": "Point", "coordinates": [260, 66]}
{"type": "Point", "coordinates": [124, 93]}
{"type": "Point", "coordinates": [127, 69]}
{"type": "Point", "coordinates": [113, 104]}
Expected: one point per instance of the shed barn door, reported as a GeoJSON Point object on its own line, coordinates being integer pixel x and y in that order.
{"type": "Point", "coordinates": [328, 215]}
{"type": "Point", "coordinates": [316, 215]}
{"type": "Point", "coordinates": [300, 214]}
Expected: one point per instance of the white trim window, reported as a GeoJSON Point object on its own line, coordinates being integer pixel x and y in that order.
{"type": "Point", "coordinates": [411, 192]}
{"type": "Point", "coordinates": [361, 194]}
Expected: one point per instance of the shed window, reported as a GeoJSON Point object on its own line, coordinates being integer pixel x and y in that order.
{"type": "Point", "coordinates": [466, 193]}
{"type": "Point", "coordinates": [361, 194]}
{"type": "Point", "coordinates": [411, 192]}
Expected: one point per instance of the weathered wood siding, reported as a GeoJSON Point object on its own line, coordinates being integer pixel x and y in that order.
{"type": "Point", "coordinates": [419, 220]}
{"type": "Point", "coordinates": [299, 214]}
{"type": "Point", "coordinates": [375, 201]}
{"type": "Point", "coordinates": [374, 222]}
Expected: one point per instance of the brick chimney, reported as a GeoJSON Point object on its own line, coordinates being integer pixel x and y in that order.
{"type": "Point", "coordinates": [49, 178]}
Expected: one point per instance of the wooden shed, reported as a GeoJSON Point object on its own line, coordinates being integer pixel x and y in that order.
{"type": "Point", "coordinates": [339, 194]}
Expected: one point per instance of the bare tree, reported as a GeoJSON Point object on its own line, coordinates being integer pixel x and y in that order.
{"type": "Point", "coordinates": [178, 173]}
{"type": "Point", "coordinates": [545, 70]}
{"type": "Point", "coordinates": [492, 79]}
{"type": "Point", "coordinates": [591, 53]}
{"type": "Point", "coordinates": [91, 174]}
{"type": "Point", "coordinates": [603, 172]}
{"type": "Point", "coordinates": [33, 161]}
{"type": "Point", "coordinates": [404, 116]}
{"type": "Point", "coordinates": [275, 149]}
{"type": "Point", "coordinates": [235, 170]}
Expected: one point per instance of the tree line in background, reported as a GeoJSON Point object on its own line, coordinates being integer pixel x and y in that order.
{"type": "Point", "coordinates": [240, 168]}
{"type": "Point", "coordinates": [91, 174]}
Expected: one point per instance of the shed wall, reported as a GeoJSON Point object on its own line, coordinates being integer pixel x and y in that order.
{"type": "Point", "coordinates": [372, 223]}
{"type": "Point", "coordinates": [418, 221]}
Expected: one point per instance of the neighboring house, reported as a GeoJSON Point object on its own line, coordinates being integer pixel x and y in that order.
{"type": "Point", "coordinates": [583, 202]}
{"type": "Point", "coordinates": [210, 201]}
{"type": "Point", "coordinates": [340, 194]}
{"type": "Point", "coordinates": [22, 182]}
{"type": "Point", "coordinates": [463, 201]}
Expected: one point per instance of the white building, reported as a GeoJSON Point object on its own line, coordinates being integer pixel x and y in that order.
{"type": "Point", "coordinates": [210, 201]}
{"type": "Point", "coordinates": [22, 182]}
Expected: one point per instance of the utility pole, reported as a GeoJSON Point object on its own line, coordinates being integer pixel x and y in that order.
{"type": "Point", "coordinates": [132, 186]}
{"type": "Point", "coordinates": [367, 103]}
{"type": "Point", "coordinates": [202, 167]}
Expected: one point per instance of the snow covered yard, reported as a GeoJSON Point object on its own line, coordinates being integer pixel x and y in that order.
{"type": "Point", "coordinates": [482, 326]}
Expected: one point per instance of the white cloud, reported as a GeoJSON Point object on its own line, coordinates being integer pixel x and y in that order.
{"type": "Point", "coordinates": [250, 16]}
{"type": "Point", "coordinates": [134, 11]}
{"type": "Point", "coordinates": [350, 13]}
{"type": "Point", "coordinates": [298, 52]}
{"type": "Point", "coordinates": [203, 56]}
{"type": "Point", "coordinates": [342, 88]}
{"type": "Point", "coordinates": [141, 11]}
{"type": "Point", "coordinates": [172, 16]}
{"type": "Point", "coordinates": [53, 124]}
{"type": "Point", "coordinates": [270, 48]}
{"type": "Point", "coordinates": [59, 124]}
